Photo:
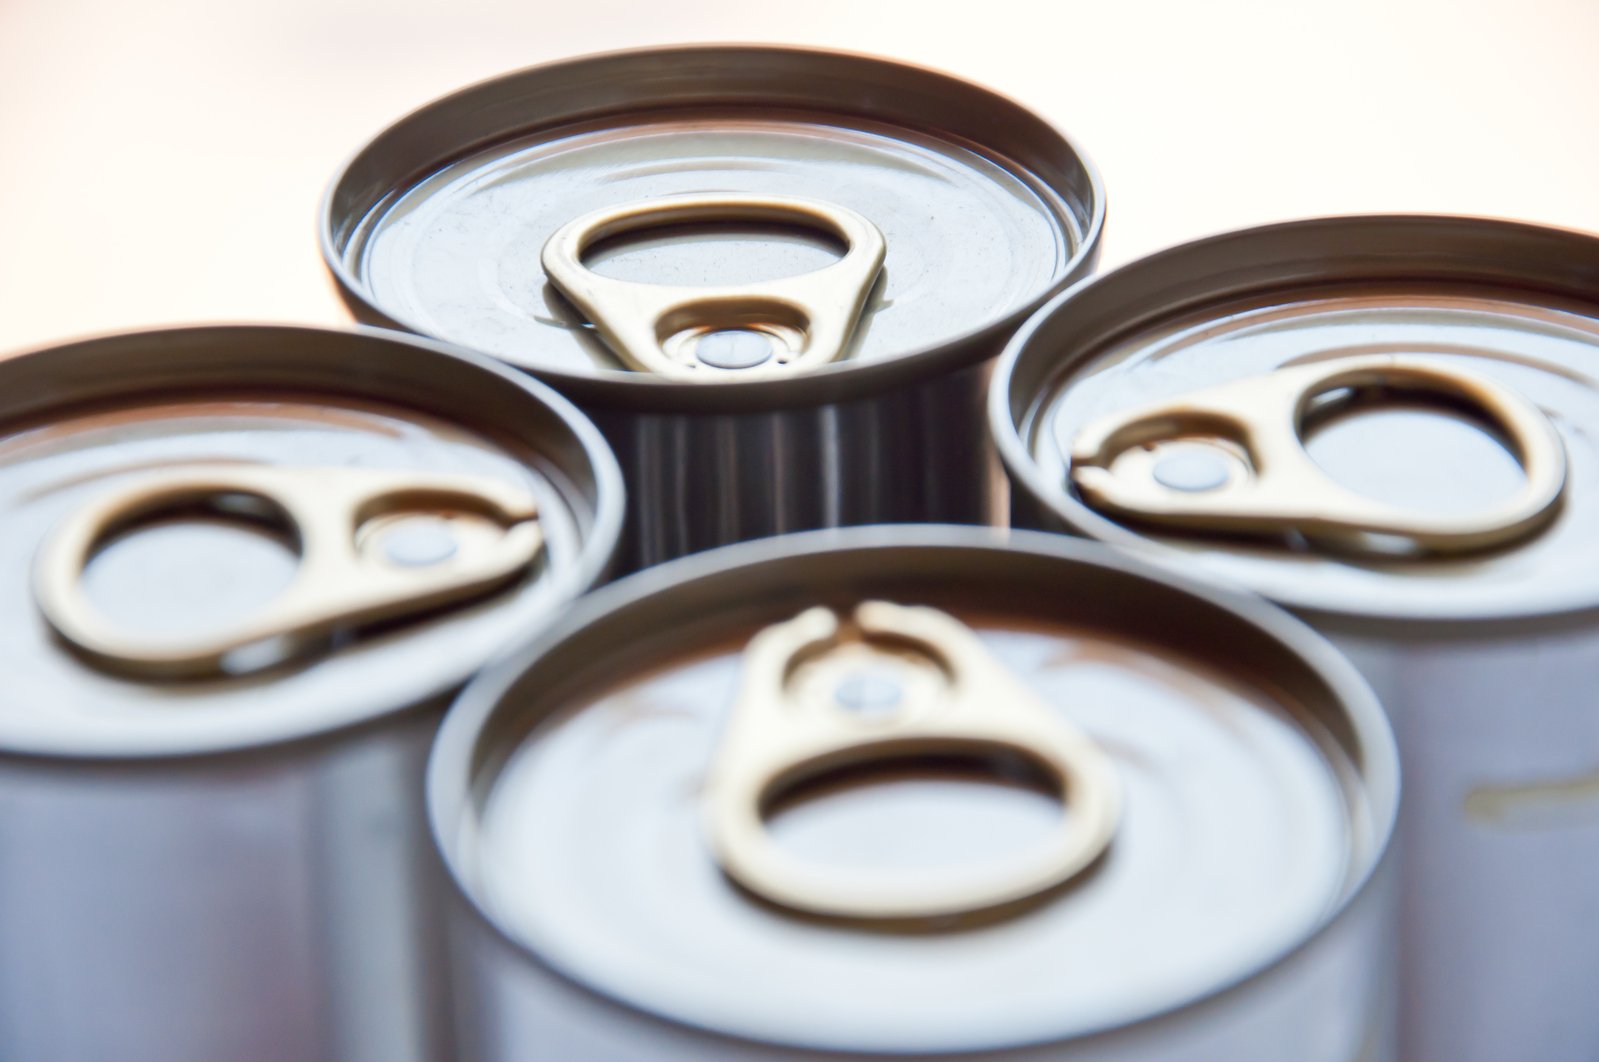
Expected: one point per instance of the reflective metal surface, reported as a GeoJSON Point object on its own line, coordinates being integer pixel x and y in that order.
{"type": "Point", "coordinates": [234, 865]}
{"type": "Point", "coordinates": [176, 153]}
{"type": "Point", "coordinates": [1233, 915]}
{"type": "Point", "coordinates": [1484, 660]}
{"type": "Point", "coordinates": [1499, 837]}
{"type": "Point", "coordinates": [702, 480]}
{"type": "Point", "coordinates": [165, 159]}
{"type": "Point", "coordinates": [269, 906]}
{"type": "Point", "coordinates": [443, 224]}
{"type": "Point", "coordinates": [1513, 303]}
{"type": "Point", "coordinates": [76, 420]}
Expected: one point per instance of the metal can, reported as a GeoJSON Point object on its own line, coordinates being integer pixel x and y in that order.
{"type": "Point", "coordinates": [922, 791]}
{"type": "Point", "coordinates": [243, 569]}
{"type": "Point", "coordinates": [776, 278]}
{"type": "Point", "coordinates": [1385, 424]}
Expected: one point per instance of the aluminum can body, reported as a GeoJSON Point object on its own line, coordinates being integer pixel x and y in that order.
{"type": "Point", "coordinates": [983, 209]}
{"type": "Point", "coordinates": [539, 946]}
{"type": "Point", "coordinates": [1501, 814]}
{"type": "Point", "coordinates": [706, 480]}
{"type": "Point", "coordinates": [1482, 658]}
{"type": "Point", "coordinates": [227, 855]}
{"type": "Point", "coordinates": [271, 906]}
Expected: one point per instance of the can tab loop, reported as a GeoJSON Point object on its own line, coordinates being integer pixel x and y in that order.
{"type": "Point", "coordinates": [745, 331]}
{"type": "Point", "coordinates": [1232, 458]}
{"type": "Point", "coordinates": [373, 546]}
{"type": "Point", "coordinates": [901, 683]}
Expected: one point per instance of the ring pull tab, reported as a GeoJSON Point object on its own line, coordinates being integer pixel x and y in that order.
{"type": "Point", "coordinates": [374, 546]}
{"type": "Point", "coordinates": [745, 331]}
{"type": "Point", "coordinates": [1232, 458]}
{"type": "Point", "coordinates": [901, 683]}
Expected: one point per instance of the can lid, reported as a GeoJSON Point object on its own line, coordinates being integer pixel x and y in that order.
{"type": "Point", "coordinates": [627, 224]}
{"type": "Point", "coordinates": [226, 537]}
{"type": "Point", "coordinates": [1041, 789]}
{"type": "Point", "coordinates": [1380, 416]}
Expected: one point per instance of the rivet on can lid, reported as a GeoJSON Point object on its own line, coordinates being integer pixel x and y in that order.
{"type": "Point", "coordinates": [419, 542]}
{"type": "Point", "coordinates": [869, 693]}
{"type": "Point", "coordinates": [735, 348]}
{"type": "Point", "coordinates": [1191, 470]}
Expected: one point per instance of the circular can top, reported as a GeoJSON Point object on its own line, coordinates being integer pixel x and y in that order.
{"type": "Point", "coordinates": [1385, 417]}
{"type": "Point", "coordinates": [917, 217]}
{"type": "Point", "coordinates": [221, 538]}
{"type": "Point", "coordinates": [828, 758]}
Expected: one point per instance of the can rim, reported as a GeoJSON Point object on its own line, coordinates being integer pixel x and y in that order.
{"type": "Point", "coordinates": [823, 385]}
{"type": "Point", "coordinates": [594, 558]}
{"type": "Point", "coordinates": [451, 762]}
{"type": "Point", "coordinates": [1024, 471]}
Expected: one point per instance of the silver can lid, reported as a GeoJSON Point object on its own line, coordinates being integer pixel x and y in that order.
{"type": "Point", "coordinates": [227, 537]}
{"type": "Point", "coordinates": [581, 793]}
{"type": "Point", "coordinates": [444, 223]}
{"type": "Point", "coordinates": [1422, 389]}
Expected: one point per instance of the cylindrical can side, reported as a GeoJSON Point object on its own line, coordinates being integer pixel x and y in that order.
{"type": "Point", "coordinates": [236, 865]}
{"type": "Point", "coordinates": [1501, 725]}
{"type": "Point", "coordinates": [270, 905]}
{"type": "Point", "coordinates": [1483, 660]}
{"type": "Point", "coordinates": [907, 455]}
{"type": "Point", "coordinates": [1333, 1001]}
{"type": "Point", "coordinates": [1027, 513]}
{"type": "Point", "coordinates": [1328, 996]}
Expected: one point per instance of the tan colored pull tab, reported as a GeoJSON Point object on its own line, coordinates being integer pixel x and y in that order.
{"type": "Point", "coordinates": [808, 706]}
{"type": "Point", "coordinates": [1233, 458]}
{"type": "Point", "coordinates": [374, 545]}
{"type": "Point", "coordinates": [747, 331]}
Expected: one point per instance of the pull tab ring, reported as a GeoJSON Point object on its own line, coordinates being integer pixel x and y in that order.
{"type": "Point", "coordinates": [777, 326]}
{"type": "Point", "coordinates": [964, 702]}
{"type": "Point", "coordinates": [358, 564]}
{"type": "Point", "coordinates": [1267, 482]}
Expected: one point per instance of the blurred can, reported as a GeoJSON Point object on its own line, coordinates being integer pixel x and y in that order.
{"type": "Point", "coordinates": [1385, 424]}
{"type": "Point", "coordinates": [921, 792]}
{"type": "Point", "coordinates": [243, 569]}
{"type": "Point", "coordinates": [776, 278]}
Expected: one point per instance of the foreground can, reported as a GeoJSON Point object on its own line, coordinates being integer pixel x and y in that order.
{"type": "Point", "coordinates": [1385, 424]}
{"type": "Point", "coordinates": [776, 278]}
{"type": "Point", "coordinates": [735, 808]}
{"type": "Point", "coordinates": [243, 569]}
